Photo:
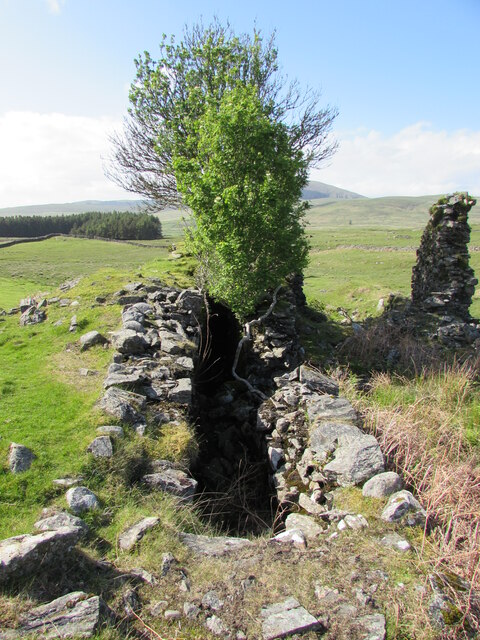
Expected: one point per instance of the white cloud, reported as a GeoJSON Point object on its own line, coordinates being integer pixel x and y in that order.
{"type": "Point", "coordinates": [414, 161]}
{"type": "Point", "coordinates": [54, 158]}
{"type": "Point", "coordinates": [55, 6]}
{"type": "Point", "coordinates": [58, 158]}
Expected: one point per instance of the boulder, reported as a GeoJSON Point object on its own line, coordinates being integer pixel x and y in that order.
{"type": "Point", "coordinates": [142, 307]}
{"type": "Point", "coordinates": [325, 438]}
{"type": "Point", "coordinates": [373, 626]}
{"type": "Point", "coordinates": [23, 555]}
{"type": "Point", "coordinates": [394, 541]}
{"type": "Point", "coordinates": [129, 538]}
{"type": "Point", "coordinates": [75, 615]}
{"type": "Point", "coordinates": [292, 536]}
{"type": "Point", "coordinates": [216, 626]}
{"type": "Point", "coordinates": [173, 481]}
{"type": "Point", "coordinates": [382, 485]}
{"type": "Point", "coordinates": [131, 299]}
{"type": "Point", "coordinates": [121, 379]}
{"type": "Point", "coordinates": [133, 325]}
{"type": "Point", "coordinates": [327, 408]}
{"type": "Point", "coordinates": [32, 316]}
{"type": "Point", "coordinates": [91, 339]}
{"type": "Point", "coordinates": [81, 499]}
{"type": "Point", "coordinates": [123, 405]}
{"type": "Point", "coordinates": [403, 507]}
{"type": "Point", "coordinates": [20, 458]}
{"type": "Point", "coordinates": [182, 392]}
{"type": "Point", "coordinates": [351, 521]}
{"type": "Point", "coordinates": [213, 546]}
{"type": "Point", "coordinates": [307, 525]}
{"type": "Point", "coordinates": [190, 300]}
{"type": "Point", "coordinates": [171, 342]}
{"type": "Point", "coordinates": [355, 461]}
{"type": "Point", "coordinates": [316, 381]}
{"type": "Point", "coordinates": [129, 342]}
{"type": "Point", "coordinates": [101, 447]}
{"type": "Point", "coordinates": [59, 520]}
{"type": "Point", "coordinates": [286, 618]}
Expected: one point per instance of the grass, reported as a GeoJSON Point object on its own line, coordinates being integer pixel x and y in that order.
{"type": "Point", "coordinates": [46, 405]}
{"type": "Point", "coordinates": [428, 429]}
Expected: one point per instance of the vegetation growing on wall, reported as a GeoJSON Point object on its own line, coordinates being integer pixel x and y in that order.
{"type": "Point", "coordinates": [213, 125]}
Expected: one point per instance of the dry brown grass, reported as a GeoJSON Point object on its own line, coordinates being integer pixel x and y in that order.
{"type": "Point", "coordinates": [423, 434]}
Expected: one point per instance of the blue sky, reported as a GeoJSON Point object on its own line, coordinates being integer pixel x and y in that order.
{"type": "Point", "coordinates": [403, 74]}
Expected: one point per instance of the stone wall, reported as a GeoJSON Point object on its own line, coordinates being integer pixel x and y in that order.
{"type": "Point", "coordinates": [442, 280]}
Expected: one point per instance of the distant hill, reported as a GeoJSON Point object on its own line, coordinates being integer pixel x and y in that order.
{"type": "Point", "coordinates": [319, 190]}
{"type": "Point", "coordinates": [314, 190]}
{"type": "Point", "coordinates": [392, 211]}
{"type": "Point", "coordinates": [83, 206]}
{"type": "Point", "coordinates": [330, 207]}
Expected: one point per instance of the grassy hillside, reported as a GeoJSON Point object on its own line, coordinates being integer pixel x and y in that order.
{"type": "Point", "coordinates": [46, 404]}
{"type": "Point", "coordinates": [392, 212]}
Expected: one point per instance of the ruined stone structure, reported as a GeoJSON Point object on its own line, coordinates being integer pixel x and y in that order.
{"type": "Point", "coordinates": [442, 280]}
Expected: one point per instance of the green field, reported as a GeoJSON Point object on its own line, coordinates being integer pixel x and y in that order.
{"type": "Point", "coordinates": [47, 405]}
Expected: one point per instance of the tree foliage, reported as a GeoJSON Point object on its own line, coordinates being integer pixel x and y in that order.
{"type": "Point", "coordinates": [168, 96]}
{"type": "Point", "coordinates": [243, 185]}
{"type": "Point", "coordinates": [213, 125]}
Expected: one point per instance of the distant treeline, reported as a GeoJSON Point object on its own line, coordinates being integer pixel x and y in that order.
{"type": "Point", "coordinates": [115, 225]}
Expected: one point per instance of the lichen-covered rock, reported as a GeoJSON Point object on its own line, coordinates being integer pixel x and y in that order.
{"type": "Point", "coordinates": [173, 481]}
{"type": "Point", "coordinates": [59, 520]}
{"type": "Point", "coordinates": [129, 342]}
{"type": "Point", "coordinates": [20, 458]}
{"type": "Point", "coordinates": [75, 615]}
{"type": "Point", "coordinates": [286, 618]}
{"type": "Point", "coordinates": [355, 460]}
{"type": "Point", "coordinates": [101, 447]}
{"type": "Point", "coordinates": [123, 405]}
{"type": "Point", "coordinates": [213, 546]}
{"type": "Point", "coordinates": [81, 499]}
{"type": "Point", "coordinates": [402, 506]}
{"type": "Point", "coordinates": [325, 438]}
{"type": "Point", "coordinates": [324, 407]}
{"type": "Point", "coordinates": [91, 339]}
{"type": "Point", "coordinates": [182, 392]}
{"type": "Point", "coordinates": [129, 538]}
{"type": "Point", "coordinates": [307, 525]}
{"type": "Point", "coordinates": [23, 555]}
{"type": "Point", "coordinates": [394, 541]}
{"type": "Point", "coordinates": [317, 381]}
{"type": "Point", "coordinates": [382, 485]}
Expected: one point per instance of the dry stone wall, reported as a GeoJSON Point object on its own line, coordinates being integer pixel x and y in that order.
{"type": "Point", "coordinates": [442, 280]}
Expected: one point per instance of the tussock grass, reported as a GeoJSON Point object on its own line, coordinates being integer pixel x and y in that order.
{"type": "Point", "coordinates": [426, 431]}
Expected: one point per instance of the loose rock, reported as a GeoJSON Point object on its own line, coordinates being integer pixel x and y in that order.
{"type": "Point", "coordinates": [23, 555]}
{"type": "Point", "coordinates": [20, 458]}
{"type": "Point", "coordinates": [75, 615]}
{"type": "Point", "coordinates": [101, 447]}
{"type": "Point", "coordinates": [131, 536]}
{"type": "Point", "coordinates": [402, 506]}
{"type": "Point", "coordinates": [382, 485]}
{"type": "Point", "coordinates": [91, 339]}
{"type": "Point", "coordinates": [81, 499]}
{"type": "Point", "coordinates": [286, 618]}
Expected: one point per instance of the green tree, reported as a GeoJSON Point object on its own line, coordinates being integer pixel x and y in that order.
{"type": "Point", "coordinates": [213, 125]}
{"type": "Point", "coordinates": [243, 186]}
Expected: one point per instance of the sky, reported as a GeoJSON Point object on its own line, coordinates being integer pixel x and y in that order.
{"type": "Point", "coordinates": [403, 74]}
